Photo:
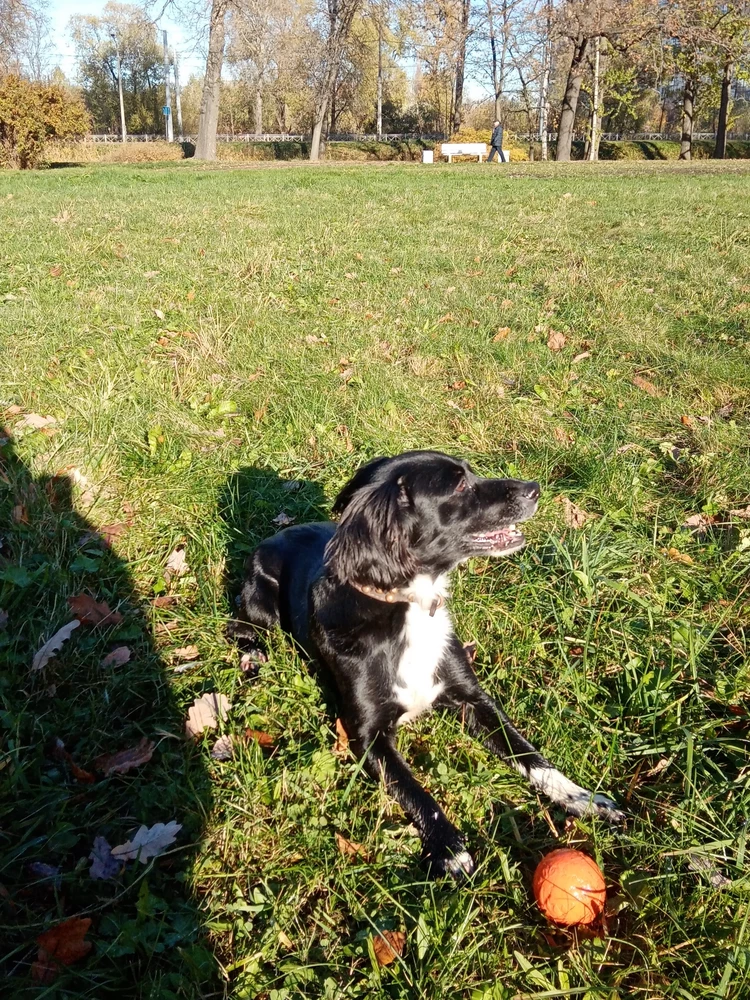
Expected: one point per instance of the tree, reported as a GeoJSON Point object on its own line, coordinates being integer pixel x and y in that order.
{"type": "Point", "coordinates": [30, 115]}
{"type": "Point", "coordinates": [141, 61]}
{"type": "Point", "coordinates": [334, 21]}
{"type": "Point", "coordinates": [23, 29]}
{"type": "Point", "coordinates": [208, 121]}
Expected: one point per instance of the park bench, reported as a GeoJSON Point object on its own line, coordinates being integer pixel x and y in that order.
{"type": "Point", "coordinates": [451, 149]}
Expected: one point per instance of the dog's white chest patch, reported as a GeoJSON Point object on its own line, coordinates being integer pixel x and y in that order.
{"type": "Point", "coordinates": [416, 686]}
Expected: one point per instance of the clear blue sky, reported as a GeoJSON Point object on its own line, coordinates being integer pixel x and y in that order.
{"type": "Point", "coordinates": [61, 11]}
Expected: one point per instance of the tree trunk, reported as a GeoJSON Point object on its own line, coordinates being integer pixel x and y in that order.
{"type": "Point", "coordinates": [594, 142]}
{"type": "Point", "coordinates": [688, 110]}
{"type": "Point", "coordinates": [379, 115]}
{"type": "Point", "coordinates": [258, 109]}
{"type": "Point", "coordinates": [205, 146]}
{"type": "Point", "coordinates": [544, 90]}
{"type": "Point", "coordinates": [320, 119]}
{"type": "Point", "coordinates": [720, 149]}
{"type": "Point", "coordinates": [463, 38]}
{"type": "Point", "coordinates": [496, 82]}
{"type": "Point", "coordinates": [570, 100]}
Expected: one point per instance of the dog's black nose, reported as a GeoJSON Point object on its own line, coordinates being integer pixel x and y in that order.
{"type": "Point", "coordinates": [531, 491]}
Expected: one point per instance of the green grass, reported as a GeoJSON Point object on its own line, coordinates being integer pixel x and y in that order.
{"type": "Point", "coordinates": [191, 348]}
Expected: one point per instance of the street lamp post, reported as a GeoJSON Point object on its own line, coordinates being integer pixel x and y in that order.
{"type": "Point", "coordinates": [119, 87]}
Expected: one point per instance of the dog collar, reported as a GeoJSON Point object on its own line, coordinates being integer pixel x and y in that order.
{"type": "Point", "coordinates": [397, 595]}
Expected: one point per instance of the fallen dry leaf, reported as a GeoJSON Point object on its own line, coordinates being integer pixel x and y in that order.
{"type": "Point", "coordinates": [89, 612]}
{"type": "Point", "coordinates": [164, 601]}
{"type": "Point", "coordinates": [686, 421]}
{"type": "Point", "coordinates": [283, 520]}
{"type": "Point", "coordinates": [149, 842]}
{"type": "Point", "coordinates": [678, 556]}
{"type": "Point", "coordinates": [19, 514]}
{"type": "Point", "coordinates": [261, 738]}
{"type": "Point", "coordinates": [159, 314]}
{"type": "Point", "coordinates": [150, 274]}
{"type": "Point", "coordinates": [185, 653]}
{"type": "Point", "coordinates": [349, 848]}
{"type": "Point", "coordinates": [205, 713]}
{"type": "Point", "coordinates": [581, 357]}
{"type": "Point", "coordinates": [743, 512]}
{"type": "Point", "coordinates": [563, 436]}
{"type": "Point", "coordinates": [643, 383]}
{"type": "Point", "coordinates": [103, 865]}
{"type": "Point", "coordinates": [699, 523]}
{"type": "Point", "coordinates": [575, 516]}
{"type": "Point", "coordinates": [118, 656]}
{"type": "Point", "coordinates": [502, 333]}
{"type": "Point", "coordinates": [33, 422]}
{"type": "Point", "coordinates": [51, 646]}
{"type": "Point", "coordinates": [190, 295]}
{"type": "Point", "coordinates": [55, 271]}
{"type": "Point", "coordinates": [60, 753]}
{"type": "Point", "coordinates": [223, 748]}
{"type": "Point", "coordinates": [556, 340]}
{"type": "Point", "coordinates": [388, 946]}
{"type": "Point", "coordinates": [61, 945]}
{"type": "Point", "coordinates": [125, 760]}
{"type": "Point", "coordinates": [177, 562]}
{"type": "Point", "coordinates": [342, 738]}
{"type": "Point", "coordinates": [109, 532]}
{"type": "Point", "coordinates": [448, 318]}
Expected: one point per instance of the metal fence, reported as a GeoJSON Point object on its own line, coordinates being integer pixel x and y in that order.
{"type": "Point", "coordinates": [412, 136]}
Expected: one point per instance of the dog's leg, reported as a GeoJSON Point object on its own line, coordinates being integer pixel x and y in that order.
{"type": "Point", "coordinates": [259, 612]}
{"type": "Point", "coordinates": [443, 850]}
{"type": "Point", "coordinates": [487, 720]}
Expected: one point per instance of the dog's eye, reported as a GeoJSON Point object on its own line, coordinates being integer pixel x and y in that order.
{"type": "Point", "coordinates": [463, 485]}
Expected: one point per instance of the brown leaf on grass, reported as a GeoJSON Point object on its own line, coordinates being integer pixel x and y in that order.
{"type": "Point", "coordinates": [109, 532]}
{"type": "Point", "coordinates": [61, 945]}
{"type": "Point", "coordinates": [186, 653]}
{"type": "Point", "coordinates": [205, 713]}
{"type": "Point", "coordinates": [261, 738]}
{"type": "Point", "coordinates": [563, 436]}
{"type": "Point", "coordinates": [681, 557]}
{"type": "Point", "coordinates": [448, 318]}
{"type": "Point", "coordinates": [686, 421]}
{"type": "Point", "coordinates": [19, 514]}
{"type": "Point", "coordinates": [60, 753]}
{"type": "Point", "coordinates": [125, 760]}
{"type": "Point", "coordinates": [45, 653]}
{"type": "Point", "coordinates": [575, 516]}
{"type": "Point", "coordinates": [55, 271]}
{"type": "Point", "coordinates": [164, 601]}
{"type": "Point", "coordinates": [190, 295]}
{"type": "Point", "coordinates": [581, 357]}
{"type": "Point", "coordinates": [645, 385]}
{"type": "Point", "coordinates": [33, 422]}
{"type": "Point", "coordinates": [502, 333]}
{"type": "Point", "coordinates": [556, 340]}
{"type": "Point", "coordinates": [177, 564]}
{"type": "Point", "coordinates": [118, 656]}
{"type": "Point", "coordinates": [90, 612]}
{"type": "Point", "coordinates": [457, 385]}
{"type": "Point", "coordinates": [349, 848]}
{"type": "Point", "coordinates": [743, 512]}
{"type": "Point", "coordinates": [388, 946]}
{"type": "Point", "coordinates": [342, 738]}
{"type": "Point", "coordinates": [699, 523]}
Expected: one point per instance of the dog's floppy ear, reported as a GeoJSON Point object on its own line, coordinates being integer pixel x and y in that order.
{"type": "Point", "coordinates": [372, 542]}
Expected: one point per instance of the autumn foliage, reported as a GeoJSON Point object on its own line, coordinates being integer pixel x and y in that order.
{"type": "Point", "coordinates": [30, 115]}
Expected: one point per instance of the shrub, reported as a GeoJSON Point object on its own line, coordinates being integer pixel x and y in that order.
{"type": "Point", "coordinates": [32, 114]}
{"type": "Point", "coordinates": [116, 152]}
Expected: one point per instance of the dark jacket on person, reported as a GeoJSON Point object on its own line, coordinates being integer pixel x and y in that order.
{"type": "Point", "coordinates": [497, 137]}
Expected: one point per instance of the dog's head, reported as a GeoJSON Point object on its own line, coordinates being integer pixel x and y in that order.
{"type": "Point", "coordinates": [423, 512]}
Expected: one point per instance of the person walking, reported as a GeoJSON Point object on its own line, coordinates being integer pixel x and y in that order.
{"type": "Point", "coordinates": [496, 142]}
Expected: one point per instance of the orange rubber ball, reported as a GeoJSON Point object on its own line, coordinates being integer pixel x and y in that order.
{"type": "Point", "coordinates": [569, 887]}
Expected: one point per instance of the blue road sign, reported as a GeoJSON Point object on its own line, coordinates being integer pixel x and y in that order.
{"type": "Point", "coordinates": [165, 110]}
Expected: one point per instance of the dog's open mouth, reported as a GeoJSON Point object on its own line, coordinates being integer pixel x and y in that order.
{"type": "Point", "coordinates": [500, 542]}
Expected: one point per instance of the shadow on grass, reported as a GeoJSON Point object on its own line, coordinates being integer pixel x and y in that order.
{"type": "Point", "coordinates": [146, 930]}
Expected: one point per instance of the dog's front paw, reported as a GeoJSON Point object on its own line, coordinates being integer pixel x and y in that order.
{"type": "Point", "coordinates": [251, 660]}
{"type": "Point", "coordinates": [447, 856]}
{"type": "Point", "coordinates": [586, 803]}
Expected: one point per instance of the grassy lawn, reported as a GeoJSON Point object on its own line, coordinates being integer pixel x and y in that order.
{"type": "Point", "coordinates": [217, 347]}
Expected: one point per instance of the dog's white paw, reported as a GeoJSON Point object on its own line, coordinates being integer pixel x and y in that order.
{"type": "Point", "coordinates": [586, 803]}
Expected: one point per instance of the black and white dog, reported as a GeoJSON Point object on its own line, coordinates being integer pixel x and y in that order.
{"type": "Point", "coordinates": [367, 598]}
